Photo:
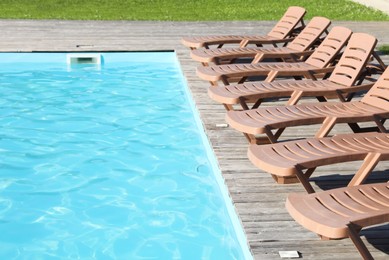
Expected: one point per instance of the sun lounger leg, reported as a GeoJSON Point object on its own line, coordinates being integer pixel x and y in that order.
{"type": "Point", "coordinates": [225, 81]}
{"type": "Point", "coordinates": [242, 80]}
{"type": "Point", "coordinates": [258, 58]}
{"type": "Point", "coordinates": [295, 97]}
{"type": "Point", "coordinates": [285, 180]}
{"type": "Point", "coordinates": [304, 181]}
{"type": "Point", "coordinates": [380, 124]}
{"type": "Point", "coordinates": [243, 104]}
{"type": "Point", "coordinates": [321, 99]}
{"type": "Point", "coordinates": [252, 139]}
{"type": "Point", "coordinates": [273, 138]}
{"type": "Point", "coordinates": [228, 107]}
{"type": "Point", "coordinates": [368, 165]}
{"type": "Point", "coordinates": [271, 76]}
{"type": "Point", "coordinates": [213, 83]}
{"type": "Point", "coordinates": [327, 126]}
{"type": "Point", "coordinates": [243, 43]}
{"type": "Point", "coordinates": [309, 172]}
{"type": "Point", "coordinates": [349, 97]}
{"type": "Point", "coordinates": [257, 140]}
{"type": "Point", "coordinates": [361, 247]}
{"type": "Point", "coordinates": [379, 60]}
{"type": "Point", "coordinates": [278, 134]}
{"type": "Point", "coordinates": [257, 104]}
{"type": "Point", "coordinates": [294, 179]}
{"type": "Point", "coordinates": [302, 178]}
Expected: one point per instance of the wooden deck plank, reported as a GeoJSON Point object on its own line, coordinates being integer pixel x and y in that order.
{"type": "Point", "coordinates": [258, 200]}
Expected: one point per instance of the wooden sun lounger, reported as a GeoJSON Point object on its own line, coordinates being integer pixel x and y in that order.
{"type": "Point", "coordinates": [296, 50]}
{"type": "Point", "coordinates": [343, 82]}
{"type": "Point", "coordinates": [342, 213]}
{"type": "Point", "coordinates": [373, 107]}
{"type": "Point", "coordinates": [287, 160]}
{"type": "Point", "coordinates": [290, 24]}
{"type": "Point", "coordinates": [318, 63]}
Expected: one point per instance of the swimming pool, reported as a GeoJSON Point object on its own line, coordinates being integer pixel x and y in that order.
{"type": "Point", "coordinates": [108, 162]}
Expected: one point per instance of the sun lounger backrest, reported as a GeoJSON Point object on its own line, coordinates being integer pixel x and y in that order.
{"type": "Point", "coordinates": [309, 35]}
{"type": "Point", "coordinates": [327, 51]}
{"type": "Point", "coordinates": [378, 95]}
{"type": "Point", "coordinates": [288, 22]}
{"type": "Point", "coordinates": [354, 58]}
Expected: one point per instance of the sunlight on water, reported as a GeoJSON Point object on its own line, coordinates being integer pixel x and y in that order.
{"type": "Point", "coordinates": [106, 163]}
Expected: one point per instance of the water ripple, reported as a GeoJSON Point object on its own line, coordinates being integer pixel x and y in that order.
{"type": "Point", "coordinates": [106, 164]}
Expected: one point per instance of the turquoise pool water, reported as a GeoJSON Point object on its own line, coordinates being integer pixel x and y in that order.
{"type": "Point", "coordinates": [107, 162]}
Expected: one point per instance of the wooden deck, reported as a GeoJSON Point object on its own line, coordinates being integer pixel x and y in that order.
{"type": "Point", "coordinates": [258, 200]}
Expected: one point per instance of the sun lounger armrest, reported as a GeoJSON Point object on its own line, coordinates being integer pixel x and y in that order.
{"type": "Point", "coordinates": [261, 41]}
{"type": "Point", "coordinates": [357, 88]}
{"type": "Point", "coordinates": [304, 53]}
{"type": "Point", "coordinates": [325, 70]}
{"type": "Point", "coordinates": [309, 74]}
{"type": "Point", "coordinates": [299, 56]}
{"type": "Point", "coordinates": [295, 56]}
{"type": "Point", "coordinates": [321, 73]}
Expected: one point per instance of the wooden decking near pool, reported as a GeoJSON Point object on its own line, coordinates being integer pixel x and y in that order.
{"type": "Point", "coordinates": [258, 200]}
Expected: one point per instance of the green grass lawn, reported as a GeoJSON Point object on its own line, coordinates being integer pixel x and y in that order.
{"type": "Point", "coordinates": [183, 10]}
{"type": "Point", "coordinates": [384, 49]}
